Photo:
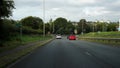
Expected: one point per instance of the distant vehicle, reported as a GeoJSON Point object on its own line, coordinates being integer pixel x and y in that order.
{"type": "Point", "coordinates": [72, 37]}
{"type": "Point", "coordinates": [58, 37]}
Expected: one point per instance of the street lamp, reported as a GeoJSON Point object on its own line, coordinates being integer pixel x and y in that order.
{"type": "Point", "coordinates": [103, 23]}
{"type": "Point", "coordinates": [82, 28]}
{"type": "Point", "coordinates": [43, 17]}
{"type": "Point", "coordinates": [119, 25]}
{"type": "Point", "coordinates": [96, 25]}
{"type": "Point", "coordinates": [93, 27]}
{"type": "Point", "coordinates": [19, 24]}
{"type": "Point", "coordinates": [54, 25]}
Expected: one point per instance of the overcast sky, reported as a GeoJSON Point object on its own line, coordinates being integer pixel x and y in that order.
{"type": "Point", "coordinates": [73, 10]}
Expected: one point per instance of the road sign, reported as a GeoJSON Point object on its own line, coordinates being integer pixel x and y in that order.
{"type": "Point", "coordinates": [75, 31]}
{"type": "Point", "coordinates": [18, 25]}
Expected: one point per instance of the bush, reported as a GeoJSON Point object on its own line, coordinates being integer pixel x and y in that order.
{"type": "Point", "coordinates": [8, 30]}
{"type": "Point", "coordinates": [28, 30]}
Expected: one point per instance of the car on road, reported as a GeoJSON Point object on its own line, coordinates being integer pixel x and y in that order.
{"type": "Point", "coordinates": [58, 37]}
{"type": "Point", "coordinates": [72, 37]}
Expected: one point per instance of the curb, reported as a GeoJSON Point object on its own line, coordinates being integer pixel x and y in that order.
{"type": "Point", "coordinates": [19, 58]}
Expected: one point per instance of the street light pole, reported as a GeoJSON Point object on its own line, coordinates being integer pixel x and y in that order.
{"type": "Point", "coordinates": [93, 27]}
{"type": "Point", "coordinates": [119, 25]}
{"type": "Point", "coordinates": [82, 28]}
{"type": "Point", "coordinates": [53, 27]}
{"type": "Point", "coordinates": [103, 25]}
{"type": "Point", "coordinates": [43, 17]}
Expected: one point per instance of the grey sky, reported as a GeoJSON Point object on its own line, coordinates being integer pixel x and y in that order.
{"type": "Point", "coordinates": [73, 10]}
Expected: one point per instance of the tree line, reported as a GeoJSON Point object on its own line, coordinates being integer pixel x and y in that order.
{"type": "Point", "coordinates": [98, 26]}
{"type": "Point", "coordinates": [31, 25]}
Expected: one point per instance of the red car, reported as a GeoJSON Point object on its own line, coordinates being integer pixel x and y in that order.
{"type": "Point", "coordinates": [72, 37]}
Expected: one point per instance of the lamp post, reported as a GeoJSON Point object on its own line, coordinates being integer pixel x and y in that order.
{"type": "Point", "coordinates": [54, 25]}
{"type": "Point", "coordinates": [75, 30]}
{"type": "Point", "coordinates": [19, 25]}
{"type": "Point", "coordinates": [103, 25]}
{"type": "Point", "coordinates": [21, 32]}
{"type": "Point", "coordinates": [119, 25]}
{"type": "Point", "coordinates": [82, 27]}
{"type": "Point", "coordinates": [43, 17]}
{"type": "Point", "coordinates": [96, 25]}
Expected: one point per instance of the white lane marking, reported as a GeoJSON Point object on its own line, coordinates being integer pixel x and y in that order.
{"type": "Point", "coordinates": [87, 53]}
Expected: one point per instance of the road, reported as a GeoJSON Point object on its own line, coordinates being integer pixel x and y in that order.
{"type": "Point", "coordinates": [63, 53]}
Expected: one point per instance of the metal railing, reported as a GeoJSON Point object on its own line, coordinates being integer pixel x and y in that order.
{"type": "Point", "coordinates": [102, 39]}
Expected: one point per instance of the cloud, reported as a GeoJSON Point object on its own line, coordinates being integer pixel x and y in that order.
{"type": "Point", "coordinates": [70, 9]}
{"type": "Point", "coordinates": [81, 2]}
{"type": "Point", "coordinates": [95, 11]}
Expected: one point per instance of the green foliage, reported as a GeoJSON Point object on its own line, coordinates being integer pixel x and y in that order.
{"type": "Point", "coordinates": [103, 26]}
{"type": "Point", "coordinates": [51, 26]}
{"type": "Point", "coordinates": [83, 26]}
{"type": "Point", "coordinates": [11, 44]}
{"type": "Point", "coordinates": [32, 22]}
{"type": "Point", "coordinates": [8, 29]}
{"type": "Point", "coordinates": [6, 7]}
{"type": "Point", "coordinates": [112, 27]}
{"type": "Point", "coordinates": [32, 25]}
{"type": "Point", "coordinates": [11, 28]}
{"type": "Point", "coordinates": [102, 34]}
{"type": "Point", "coordinates": [92, 35]}
{"type": "Point", "coordinates": [62, 26]}
{"type": "Point", "coordinates": [29, 31]}
{"type": "Point", "coordinates": [47, 27]}
{"type": "Point", "coordinates": [87, 27]}
{"type": "Point", "coordinates": [7, 59]}
{"type": "Point", "coordinates": [69, 28]}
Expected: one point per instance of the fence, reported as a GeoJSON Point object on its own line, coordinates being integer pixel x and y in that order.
{"type": "Point", "coordinates": [117, 40]}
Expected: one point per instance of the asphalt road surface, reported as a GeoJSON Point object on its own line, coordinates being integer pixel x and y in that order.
{"type": "Point", "coordinates": [64, 53]}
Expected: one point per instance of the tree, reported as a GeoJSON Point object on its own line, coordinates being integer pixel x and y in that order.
{"type": "Point", "coordinates": [83, 26]}
{"type": "Point", "coordinates": [47, 27]}
{"type": "Point", "coordinates": [32, 25]}
{"type": "Point", "coordinates": [6, 7]}
{"type": "Point", "coordinates": [70, 27]}
{"type": "Point", "coordinates": [32, 22]}
{"type": "Point", "coordinates": [112, 27]}
{"type": "Point", "coordinates": [51, 26]}
{"type": "Point", "coordinates": [62, 26]}
{"type": "Point", "coordinates": [9, 30]}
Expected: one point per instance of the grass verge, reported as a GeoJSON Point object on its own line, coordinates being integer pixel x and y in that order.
{"type": "Point", "coordinates": [102, 35]}
{"type": "Point", "coordinates": [8, 59]}
{"type": "Point", "coordinates": [104, 42]}
{"type": "Point", "coordinates": [15, 42]}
